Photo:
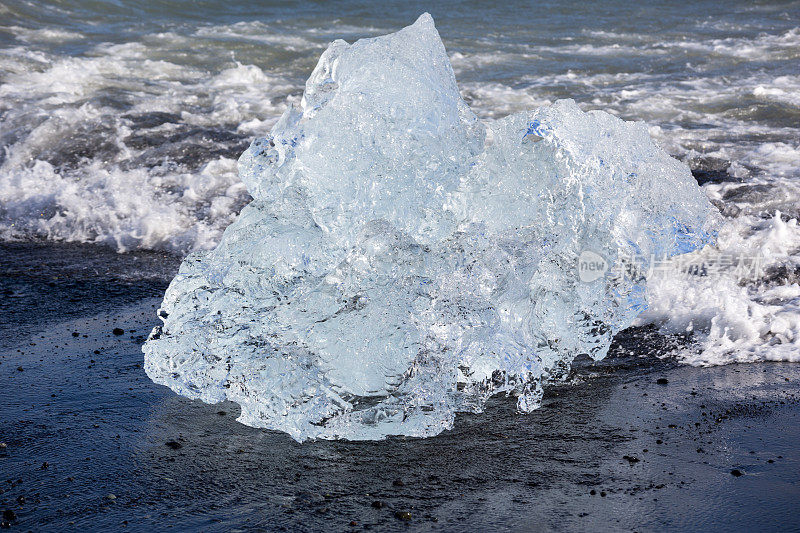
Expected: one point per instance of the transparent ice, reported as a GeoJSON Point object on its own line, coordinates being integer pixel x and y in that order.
{"type": "Point", "coordinates": [402, 260]}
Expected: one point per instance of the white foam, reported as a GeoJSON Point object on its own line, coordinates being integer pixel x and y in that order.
{"type": "Point", "coordinates": [46, 35]}
{"type": "Point", "coordinates": [782, 89]}
{"type": "Point", "coordinates": [732, 317]}
{"type": "Point", "coordinates": [463, 63]}
{"type": "Point", "coordinates": [109, 198]}
{"type": "Point", "coordinates": [496, 100]}
{"type": "Point", "coordinates": [123, 209]}
{"type": "Point", "coordinates": [257, 32]}
{"type": "Point", "coordinates": [762, 46]}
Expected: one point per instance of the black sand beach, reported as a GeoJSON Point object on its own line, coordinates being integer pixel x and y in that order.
{"type": "Point", "coordinates": [89, 442]}
{"type": "Point", "coordinates": [121, 124]}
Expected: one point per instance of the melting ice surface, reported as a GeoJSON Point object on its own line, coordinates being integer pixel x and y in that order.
{"type": "Point", "coordinates": [402, 261]}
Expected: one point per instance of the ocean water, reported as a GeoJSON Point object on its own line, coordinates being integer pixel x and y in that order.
{"type": "Point", "coordinates": [121, 122]}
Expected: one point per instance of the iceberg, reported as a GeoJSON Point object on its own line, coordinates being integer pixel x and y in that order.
{"type": "Point", "coordinates": [402, 260]}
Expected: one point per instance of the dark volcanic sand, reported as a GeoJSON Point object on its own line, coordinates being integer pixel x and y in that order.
{"type": "Point", "coordinates": [611, 450]}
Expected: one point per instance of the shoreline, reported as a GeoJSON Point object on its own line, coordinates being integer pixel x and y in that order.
{"type": "Point", "coordinates": [83, 406]}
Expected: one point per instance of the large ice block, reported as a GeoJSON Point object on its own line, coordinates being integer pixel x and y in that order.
{"type": "Point", "coordinates": [402, 260]}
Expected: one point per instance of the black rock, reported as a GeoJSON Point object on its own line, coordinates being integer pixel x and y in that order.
{"type": "Point", "coordinates": [377, 504]}
{"type": "Point", "coordinates": [175, 445]}
{"type": "Point", "coordinates": [9, 515]}
{"type": "Point", "coordinates": [75, 333]}
{"type": "Point", "coordinates": [118, 331]}
{"type": "Point", "coordinates": [662, 381]}
{"type": "Point", "coordinates": [402, 515]}
{"type": "Point", "coordinates": [708, 174]}
{"type": "Point", "coordinates": [736, 472]}
{"type": "Point", "coordinates": [398, 482]}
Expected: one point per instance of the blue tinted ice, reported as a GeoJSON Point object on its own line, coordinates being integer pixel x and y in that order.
{"type": "Point", "coordinates": [402, 261]}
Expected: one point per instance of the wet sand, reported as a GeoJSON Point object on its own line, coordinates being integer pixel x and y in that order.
{"type": "Point", "coordinates": [616, 448]}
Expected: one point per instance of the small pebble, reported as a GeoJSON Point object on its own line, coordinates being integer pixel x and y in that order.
{"type": "Point", "coordinates": [111, 497]}
{"type": "Point", "coordinates": [118, 331]}
{"type": "Point", "coordinates": [402, 515]}
{"type": "Point", "coordinates": [662, 381]}
{"type": "Point", "coordinates": [398, 482]}
{"type": "Point", "coordinates": [377, 504]}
